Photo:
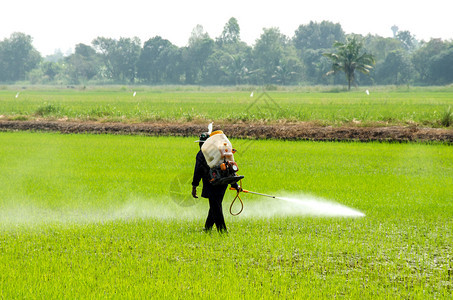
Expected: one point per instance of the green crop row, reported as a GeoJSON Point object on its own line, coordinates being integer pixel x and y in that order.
{"type": "Point", "coordinates": [87, 216]}
{"type": "Point", "coordinates": [426, 107]}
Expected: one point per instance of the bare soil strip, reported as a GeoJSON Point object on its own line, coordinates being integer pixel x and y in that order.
{"type": "Point", "coordinates": [296, 131]}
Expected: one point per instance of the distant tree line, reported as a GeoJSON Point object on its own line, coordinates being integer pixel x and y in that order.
{"type": "Point", "coordinates": [226, 60]}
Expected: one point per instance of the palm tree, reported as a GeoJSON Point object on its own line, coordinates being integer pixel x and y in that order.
{"type": "Point", "coordinates": [349, 58]}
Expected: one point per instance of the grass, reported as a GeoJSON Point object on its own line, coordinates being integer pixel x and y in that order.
{"type": "Point", "coordinates": [447, 117]}
{"type": "Point", "coordinates": [384, 106]}
{"type": "Point", "coordinates": [85, 216]}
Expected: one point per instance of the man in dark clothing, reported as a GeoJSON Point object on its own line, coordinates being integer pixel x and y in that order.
{"type": "Point", "coordinates": [214, 193]}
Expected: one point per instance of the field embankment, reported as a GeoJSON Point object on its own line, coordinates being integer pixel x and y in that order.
{"type": "Point", "coordinates": [289, 131]}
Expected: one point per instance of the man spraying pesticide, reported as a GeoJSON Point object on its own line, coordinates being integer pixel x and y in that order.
{"type": "Point", "coordinates": [215, 165]}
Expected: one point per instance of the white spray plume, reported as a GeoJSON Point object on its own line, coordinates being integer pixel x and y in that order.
{"type": "Point", "coordinates": [136, 208]}
{"type": "Point", "coordinates": [297, 205]}
{"type": "Point", "coordinates": [132, 209]}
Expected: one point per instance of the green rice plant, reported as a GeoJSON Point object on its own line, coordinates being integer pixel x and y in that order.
{"type": "Point", "coordinates": [447, 117]}
{"type": "Point", "coordinates": [91, 216]}
{"type": "Point", "coordinates": [47, 109]}
{"type": "Point", "coordinates": [100, 111]}
{"type": "Point", "coordinates": [223, 104]}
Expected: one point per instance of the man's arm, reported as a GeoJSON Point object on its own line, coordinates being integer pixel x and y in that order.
{"type": "Point", "coordinates": [197, 175]}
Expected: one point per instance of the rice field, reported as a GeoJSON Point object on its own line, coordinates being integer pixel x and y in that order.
{"type": "Point", "coordinates": [383, 106]}
{"type": "Point", "coordinates": [99, 216]}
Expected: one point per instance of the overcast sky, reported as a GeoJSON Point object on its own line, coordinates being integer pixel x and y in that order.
{"type": "Point", "coordinates": [60, 24]}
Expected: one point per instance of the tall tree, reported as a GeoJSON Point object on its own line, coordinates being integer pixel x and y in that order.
{"type": "Point", "coordinates": [237, 67]}
{"type": "Point", "coordinates": [233, 56]}
{"type": "Point", "coordinates": [311, 41]}
{"type": "Point", "coordinates": [315, 67]}
{"type": "Point", "coordinates": [50, 69]}
{"type": "Point", "coordinates": [395, 69]}
{"type": "Point", "coordinates": [120, 56]}
{"type": "Point", "coordinates": [194, 57]}
{"type": "Point", "coordinates": [268, 54]}
{"type": "Point", "coordinates": [45, 72]}
{"type": "Point", "coordinates": [231, 33]}
{"type": "Point", "coordinates": [158, 62]}
{"type": "Point", "coordinates": [17, 57]}
{"type": "Point", "coordinates": [83, 65]}
{"type": "Point", "coordinates": [380, 46]}
{"type": "Point", "coordinates": [197, 34]}
{"type": "Point", "coordinates": [318, 35]}
{"type": "Point", "coordinates": [407, 39]}
{"type": "Point", "coordinates": [421, 59]}
{"type": "Point", "coordinates": [215, 70]}
{"type": "Point", "coordinates": [441, 67]}
{"type": "Point", "coordinates": [350, 56]}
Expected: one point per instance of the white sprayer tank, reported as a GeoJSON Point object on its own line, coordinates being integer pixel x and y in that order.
{"type": "Point", "coordinates": [217, 148]}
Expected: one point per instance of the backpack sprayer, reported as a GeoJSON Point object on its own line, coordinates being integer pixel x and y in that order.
{"type": "Point", "coordinates": [219, 155]}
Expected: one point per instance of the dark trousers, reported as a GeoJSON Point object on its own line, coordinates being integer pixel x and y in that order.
{"type": "Point", "coordinates": [215, 215]}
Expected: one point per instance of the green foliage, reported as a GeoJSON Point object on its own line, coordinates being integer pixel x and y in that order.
{"type": "Point", "coordinates": [407, 40]}
{"type": "Point", "coordinates": [158, 61]}
{"type": "Point", "coordinates": [441, 68]}
{"type": "Point", "coordinates": [231, 33]}
{"type": "Point", "coordinates": [349, 58]}
{"type": "Point", "coordinates": [380, 47]}
{"type": "Point", "coordinates": [226, 60]}
{"type": "Point", "coordinates": [85, 216]}
{"type": "Point", "coordinates": [47, 109]}
{"type": "Point", "coordinates": [46, 73]}
{"type": "Point", "coordinates": [119, 56]}
{"type": "Point", "coordinates": [83, 65]}
{"type": "Point", "coordinates": [269, 53]}
{"type": "Point", "coordinates": [396, 68]}
{"type": "Point", "coordinates": [421, 59]}
{"type": "Point", "coordinates": [196, 55]}
{"type": "Point", "coordinates": [316, 36]}
{"type": "Point", "coordinates": [327, 105]}
{"type": "Point", "coordinates": [447, 117]}
{"type": "Point", "coordinates": [17, 57]}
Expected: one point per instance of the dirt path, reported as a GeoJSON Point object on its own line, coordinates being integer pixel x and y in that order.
{"type": "Point", "coordinates": [297, 131]}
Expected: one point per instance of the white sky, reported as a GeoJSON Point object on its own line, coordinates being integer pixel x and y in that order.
{"type": "Point", "coordinates": [60, 24]}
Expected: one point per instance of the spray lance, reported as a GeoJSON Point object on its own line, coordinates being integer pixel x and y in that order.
{"type": "Point", "coordinates": [240, 200]}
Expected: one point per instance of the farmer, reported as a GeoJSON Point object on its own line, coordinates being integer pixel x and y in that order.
{"type": "Point", "coordinates": [214, 193]}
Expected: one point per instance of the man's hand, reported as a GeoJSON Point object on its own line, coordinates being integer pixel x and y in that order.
{"type": "Point", "coordinates": [239, 189]}
{"type": "Point", "coordinates": [194, 192]}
